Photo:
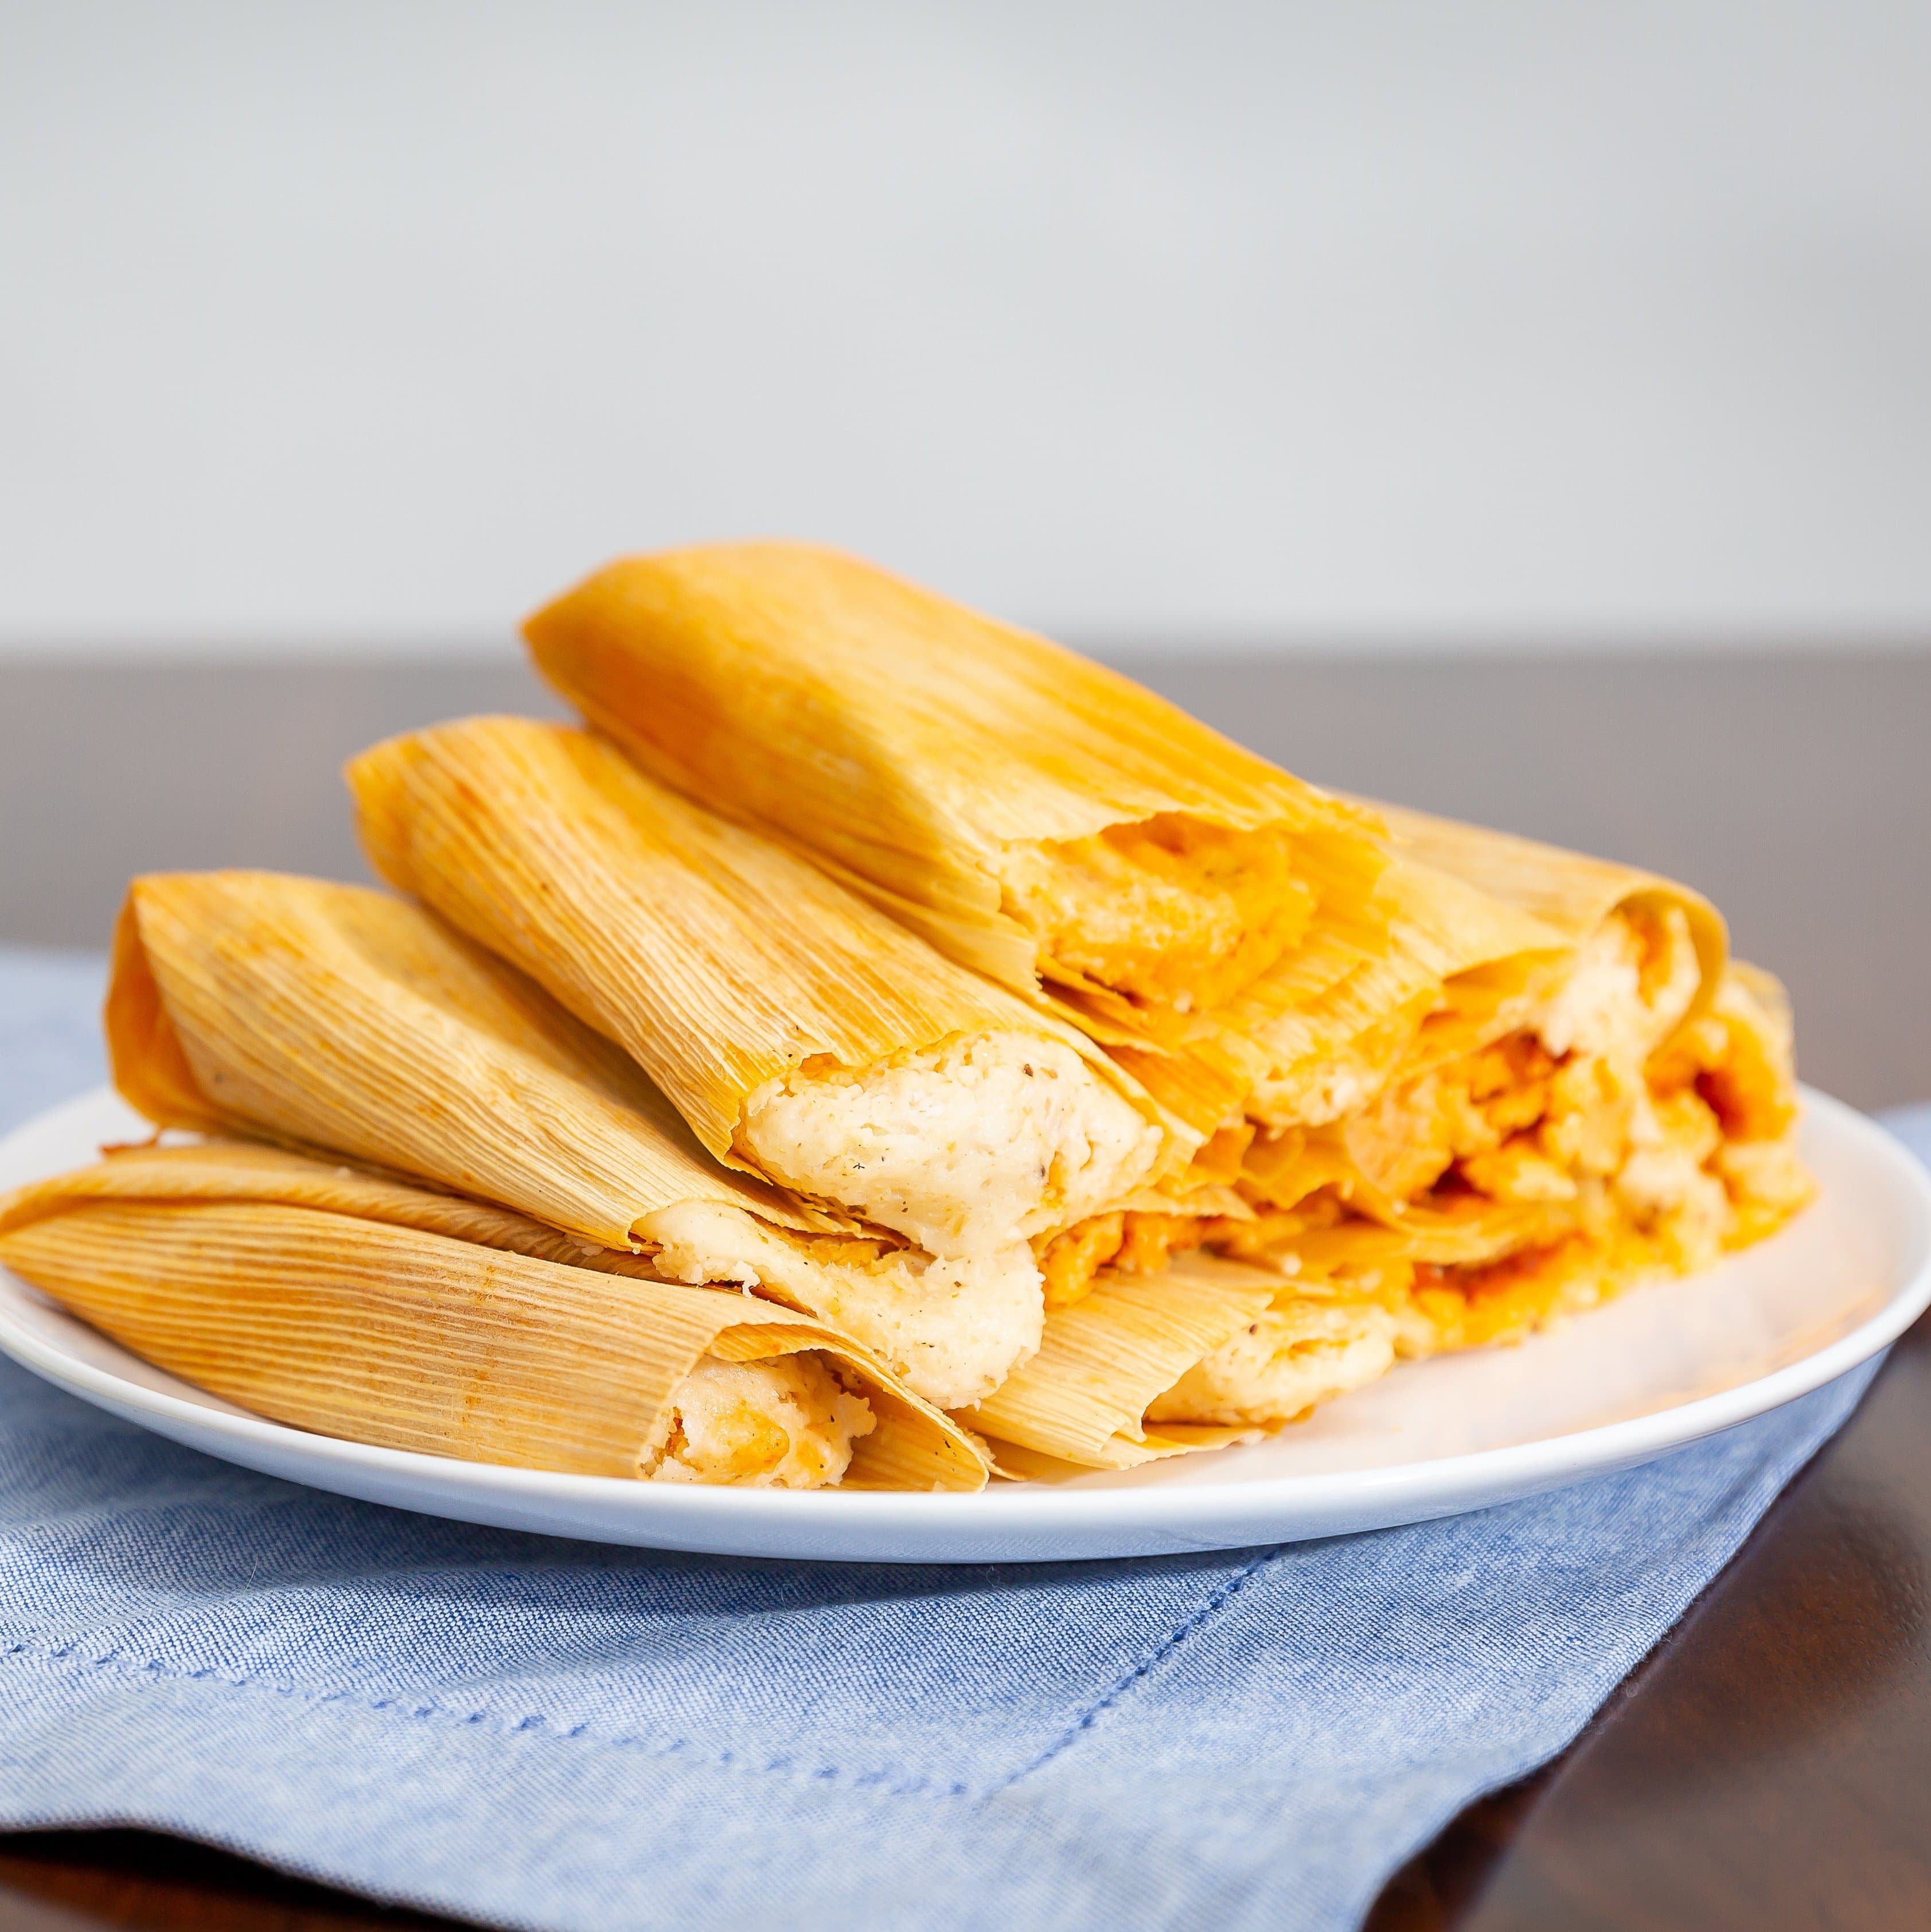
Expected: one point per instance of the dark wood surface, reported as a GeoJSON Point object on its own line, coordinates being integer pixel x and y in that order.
{"type": "Point", "coordinates": [1769, 1767]}
{"type": "Point", "coordinates": [1791, 787]}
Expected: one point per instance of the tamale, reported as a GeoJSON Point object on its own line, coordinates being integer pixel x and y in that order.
{"type": "Point", "coordinates": [804, 1037]}
{"type": "Point", "coordinates": [1570, 891]}
{"type": "Point", "coordinates": [1453, 1082]}
{"type": "Point", "coordinates": [1456, 965]}
{"type": "Point", "coordinates": [332, 1017]}
{"type": "Point", "coordinates": [1628, 1115]}
{"type": "Point", "coordinates": [1036, 817]}
{"type": "Point", "coordinates": [351, 1305]}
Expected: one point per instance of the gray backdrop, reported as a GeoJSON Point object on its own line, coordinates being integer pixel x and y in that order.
{"type": "Point", "coordinates": [1197, 319]}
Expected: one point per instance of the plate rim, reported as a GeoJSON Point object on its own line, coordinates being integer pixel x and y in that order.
{"type": "Point", "coordinates": [751, 1521]}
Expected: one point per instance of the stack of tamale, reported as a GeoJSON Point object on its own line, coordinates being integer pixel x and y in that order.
{"type": "Point", "coordinates": [885, 1048]}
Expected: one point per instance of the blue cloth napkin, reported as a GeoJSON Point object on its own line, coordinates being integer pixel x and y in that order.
{"type": "Point", "coordinates": [549, 1734]}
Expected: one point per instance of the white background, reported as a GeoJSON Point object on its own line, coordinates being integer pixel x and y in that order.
{"type": "Point", "coordinates": [366, 326]}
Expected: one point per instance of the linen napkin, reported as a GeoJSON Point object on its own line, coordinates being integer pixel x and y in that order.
{"type": "Point", "coordinates": [541, 1733]}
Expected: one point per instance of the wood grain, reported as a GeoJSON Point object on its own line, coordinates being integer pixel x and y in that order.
{"type": "Point", "coordinates": [66, 1881]}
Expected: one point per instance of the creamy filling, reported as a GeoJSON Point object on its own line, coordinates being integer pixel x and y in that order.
{"type": "Point", "coordinates": [784, 1424]}
{"type": "Point", "coordinates": [1632, 981]}
{"type": "Point", "coordinates": [1297, 1354]}
{"type": "Point", "coordinates": [953, 1329]}
{"type": "Point", "coordinates": [965, 1148]}
{"type": "Point", "coordinates": [1505, 1188]}
{"type": "Point", "coordinates": [1169, 911]}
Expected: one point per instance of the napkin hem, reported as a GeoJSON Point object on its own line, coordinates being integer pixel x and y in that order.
{"type": "Point", "coordinates": [1206, 1613]}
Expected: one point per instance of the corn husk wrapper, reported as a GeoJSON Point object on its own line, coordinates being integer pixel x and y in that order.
{"type": "Point", "coordinates": [910, 745]}
{"type": "Point", "coordinates": [1591, 1245]}
{"type": "Point", "coordinates": [1569, 892]}
{"type": "Point", "coordinates": [715, 958]}
{"type": "Point", "coordinates": [1480, 926]}
{"type": "Point", "coordinates": [1467, 932]}
{"type": "Point", "coordinates": [356, 1306]}
{"type": "Point", "coordinates": [1304, 1047]}
{"type": "Point", "coordinates": [1083, 1398]}
{"type": "Point", "coordinates": [333, 1017]}
{"type": "Point", "coordinates": [1492, 921]}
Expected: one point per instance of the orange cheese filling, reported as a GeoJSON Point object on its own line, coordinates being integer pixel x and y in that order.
{"type": "Point", "coordinates": [1169, 911]}
{"type": "Point", "coordinates": [1481, 1199]}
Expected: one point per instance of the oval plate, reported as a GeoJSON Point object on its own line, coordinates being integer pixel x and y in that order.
{"type": "Point", "coordinates": [1660, 1367]}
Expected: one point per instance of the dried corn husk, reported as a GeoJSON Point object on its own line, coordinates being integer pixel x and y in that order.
{"type": "Point", "coordinates": [331, 1017]}
{"type": "Point", "coordinates": [354, 1306]}
{"type": "Point", "coordinates": [1083, 1398]}
{"type": "Point", "coordinates": [953, 769]}
{"type": "Point", "coordinates": [1480, 928]}
{"type": "Point", "coordinates": [1459, 964]}
{"type": "Point", "coordinates": [1486, 931]}
{"type": "Point", "coordinates": [725, 966]}
{"type": "Point", "coordinates": [1568, 891]}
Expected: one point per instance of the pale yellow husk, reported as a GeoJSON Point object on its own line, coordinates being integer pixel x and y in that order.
{"type": "Point", "coordinates": [724, 965]}
{"type": "Point", "coordinates": [355, 1305]}
{"type": "Point", "coordinates": [1083, 1398]}
{"type": "Point", "coordinates": [336, 1017]}
{"type": "Point", "coordinates": [1470, 932]}
{"type": "Point", "coordinates": [1570, 891]}
{"type": "Point", "coordinates": [331, 1017]}
{"type": "Point", "coordinates": [1314, 1040]}
{"type": "Point", "coordinates": [1008, 799]}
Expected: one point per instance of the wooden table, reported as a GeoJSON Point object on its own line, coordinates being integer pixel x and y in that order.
{"type": "Point", "coordinates": [1791, 787]}
{"type": "Point", "coordinates": [1769, 1767]}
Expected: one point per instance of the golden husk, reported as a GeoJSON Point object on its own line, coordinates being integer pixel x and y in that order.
{"type": "Point", "coordinates": [356, 1306]}
{"type": "Point", "coordinates": [1569, 892]}
{"type": "Point", "coordinates": [1083, 1398]}
{"type": "Point", "coordinates": [1479, 925]}
{"type": "Point", "coordinates": [717, 959]}
{"type": "Point", "coordinates": [333, 1017]}
{"type": "Point", "coordinates": [907, 742]}
{"type": "Point", "coordinates": [1294, 1054]}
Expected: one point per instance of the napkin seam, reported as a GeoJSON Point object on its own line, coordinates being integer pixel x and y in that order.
{"type": "Point", "coordinates": [128, 1669]}
{"type": "Point", "coordinates": [1160, 1652]}
{"type": "Point", "coordinates": [536, 1726]}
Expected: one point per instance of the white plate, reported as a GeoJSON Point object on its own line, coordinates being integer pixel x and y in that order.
{"type": "Point", "coordinates": [1660, 1367]}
